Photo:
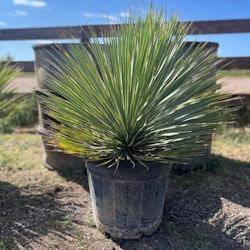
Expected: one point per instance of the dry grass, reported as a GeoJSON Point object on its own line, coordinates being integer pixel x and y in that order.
{"type": "Point", "coordinates": [42, 209]}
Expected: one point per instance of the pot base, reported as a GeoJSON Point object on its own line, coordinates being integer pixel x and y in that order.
{"type": "Point", "coordinates": [128, 234]}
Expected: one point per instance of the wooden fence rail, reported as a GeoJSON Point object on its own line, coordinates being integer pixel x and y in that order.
{"type": "Point", "coordinates": [84, 34]}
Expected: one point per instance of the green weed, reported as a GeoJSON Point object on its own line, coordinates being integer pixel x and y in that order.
{"type": "Point", "coordinates": [236, 137]}
{"type": "Point", "coordinates": [169, 228]}
{"type": "Point", "coordinates": [25, 114]}
{"type": "Point", "coordinates": [80, 239]}
{"type": "Point", "coordinates": [52, 221]}
{"type": "Point", "coordinates": [6, 243]}
{"type": "Point", "coordinates": [234, 72]}
{"type": "Point", "coordinates": [89, 221]}
{"type": "Point", "coordinates": [5, 162]}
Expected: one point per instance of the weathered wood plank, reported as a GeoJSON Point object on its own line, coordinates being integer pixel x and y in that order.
{"type": "Point", "coordinates": [84, 32]}
{"type": "Point", "coordinates": [240, 100]}
{"type": "Point", "coordinates": [226, 63]}
{"type": "Point", "coordinates": [222, 26]}
{"type": "Point", "coordinates": [25, 66]}
{"type": "Point", "coordinates": [42, 33]}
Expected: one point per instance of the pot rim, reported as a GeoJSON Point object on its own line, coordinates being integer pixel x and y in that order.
{"type": "Point", "coordinates": [129, 172]}
{"type": "Point", "coordinates": [54, 45]}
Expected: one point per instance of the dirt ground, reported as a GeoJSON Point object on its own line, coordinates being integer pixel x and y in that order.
{"type": "Point", "coordinates": [235, 85]}
{"type": "Point", "coordinates": [205, 209]}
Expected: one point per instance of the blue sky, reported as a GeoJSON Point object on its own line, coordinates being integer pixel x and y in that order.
{"type": "Point", "coordinates": [46, 13]}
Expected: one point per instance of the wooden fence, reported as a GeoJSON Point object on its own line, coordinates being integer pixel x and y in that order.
{"type": "Point", "coordinates": [84, 33]}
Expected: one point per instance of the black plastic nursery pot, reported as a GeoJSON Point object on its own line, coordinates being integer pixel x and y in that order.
{"type": "Point", "coordinates": [199, 161]}
{"type": "Point", "coordinates": [51, 158]}
{"type": "Point", "coordinates": [195, 163]}
{"type": "Point", "coordinates": [128, 202]}
{"type": "Point", "coordinates": [56, 160]}
{"type": "Point", "coordinates": [45, 56]}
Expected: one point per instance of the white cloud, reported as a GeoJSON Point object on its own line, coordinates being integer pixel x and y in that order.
{"type": "Point", "coordinates": [124, 14]}
{"type": "Point", "coordinates": [17, 13]}
{"type": "Point", "coordinates": [32, 3]}
{"type": "Point", "coordinates": [110, 18]}
{"type": "Point", "coordinates": [2, 23]}
{"type": "Point", "coordinates": [43, 41]}
{"type": "Point", "coordinates": [21, 13]}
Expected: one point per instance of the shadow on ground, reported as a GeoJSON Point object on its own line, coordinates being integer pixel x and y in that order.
{"type": "Point", "coordinates": [79, 178]}
{"type": "Point", "coordinates": [207, 209]}
{"type": "Point", "coordinates": [25, 218]}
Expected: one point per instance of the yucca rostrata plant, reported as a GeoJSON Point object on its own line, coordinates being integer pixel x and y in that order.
{"type": "Point", "coordinates": [8, 99]}
{"type": "Point", "coordinates": [140, 98]}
